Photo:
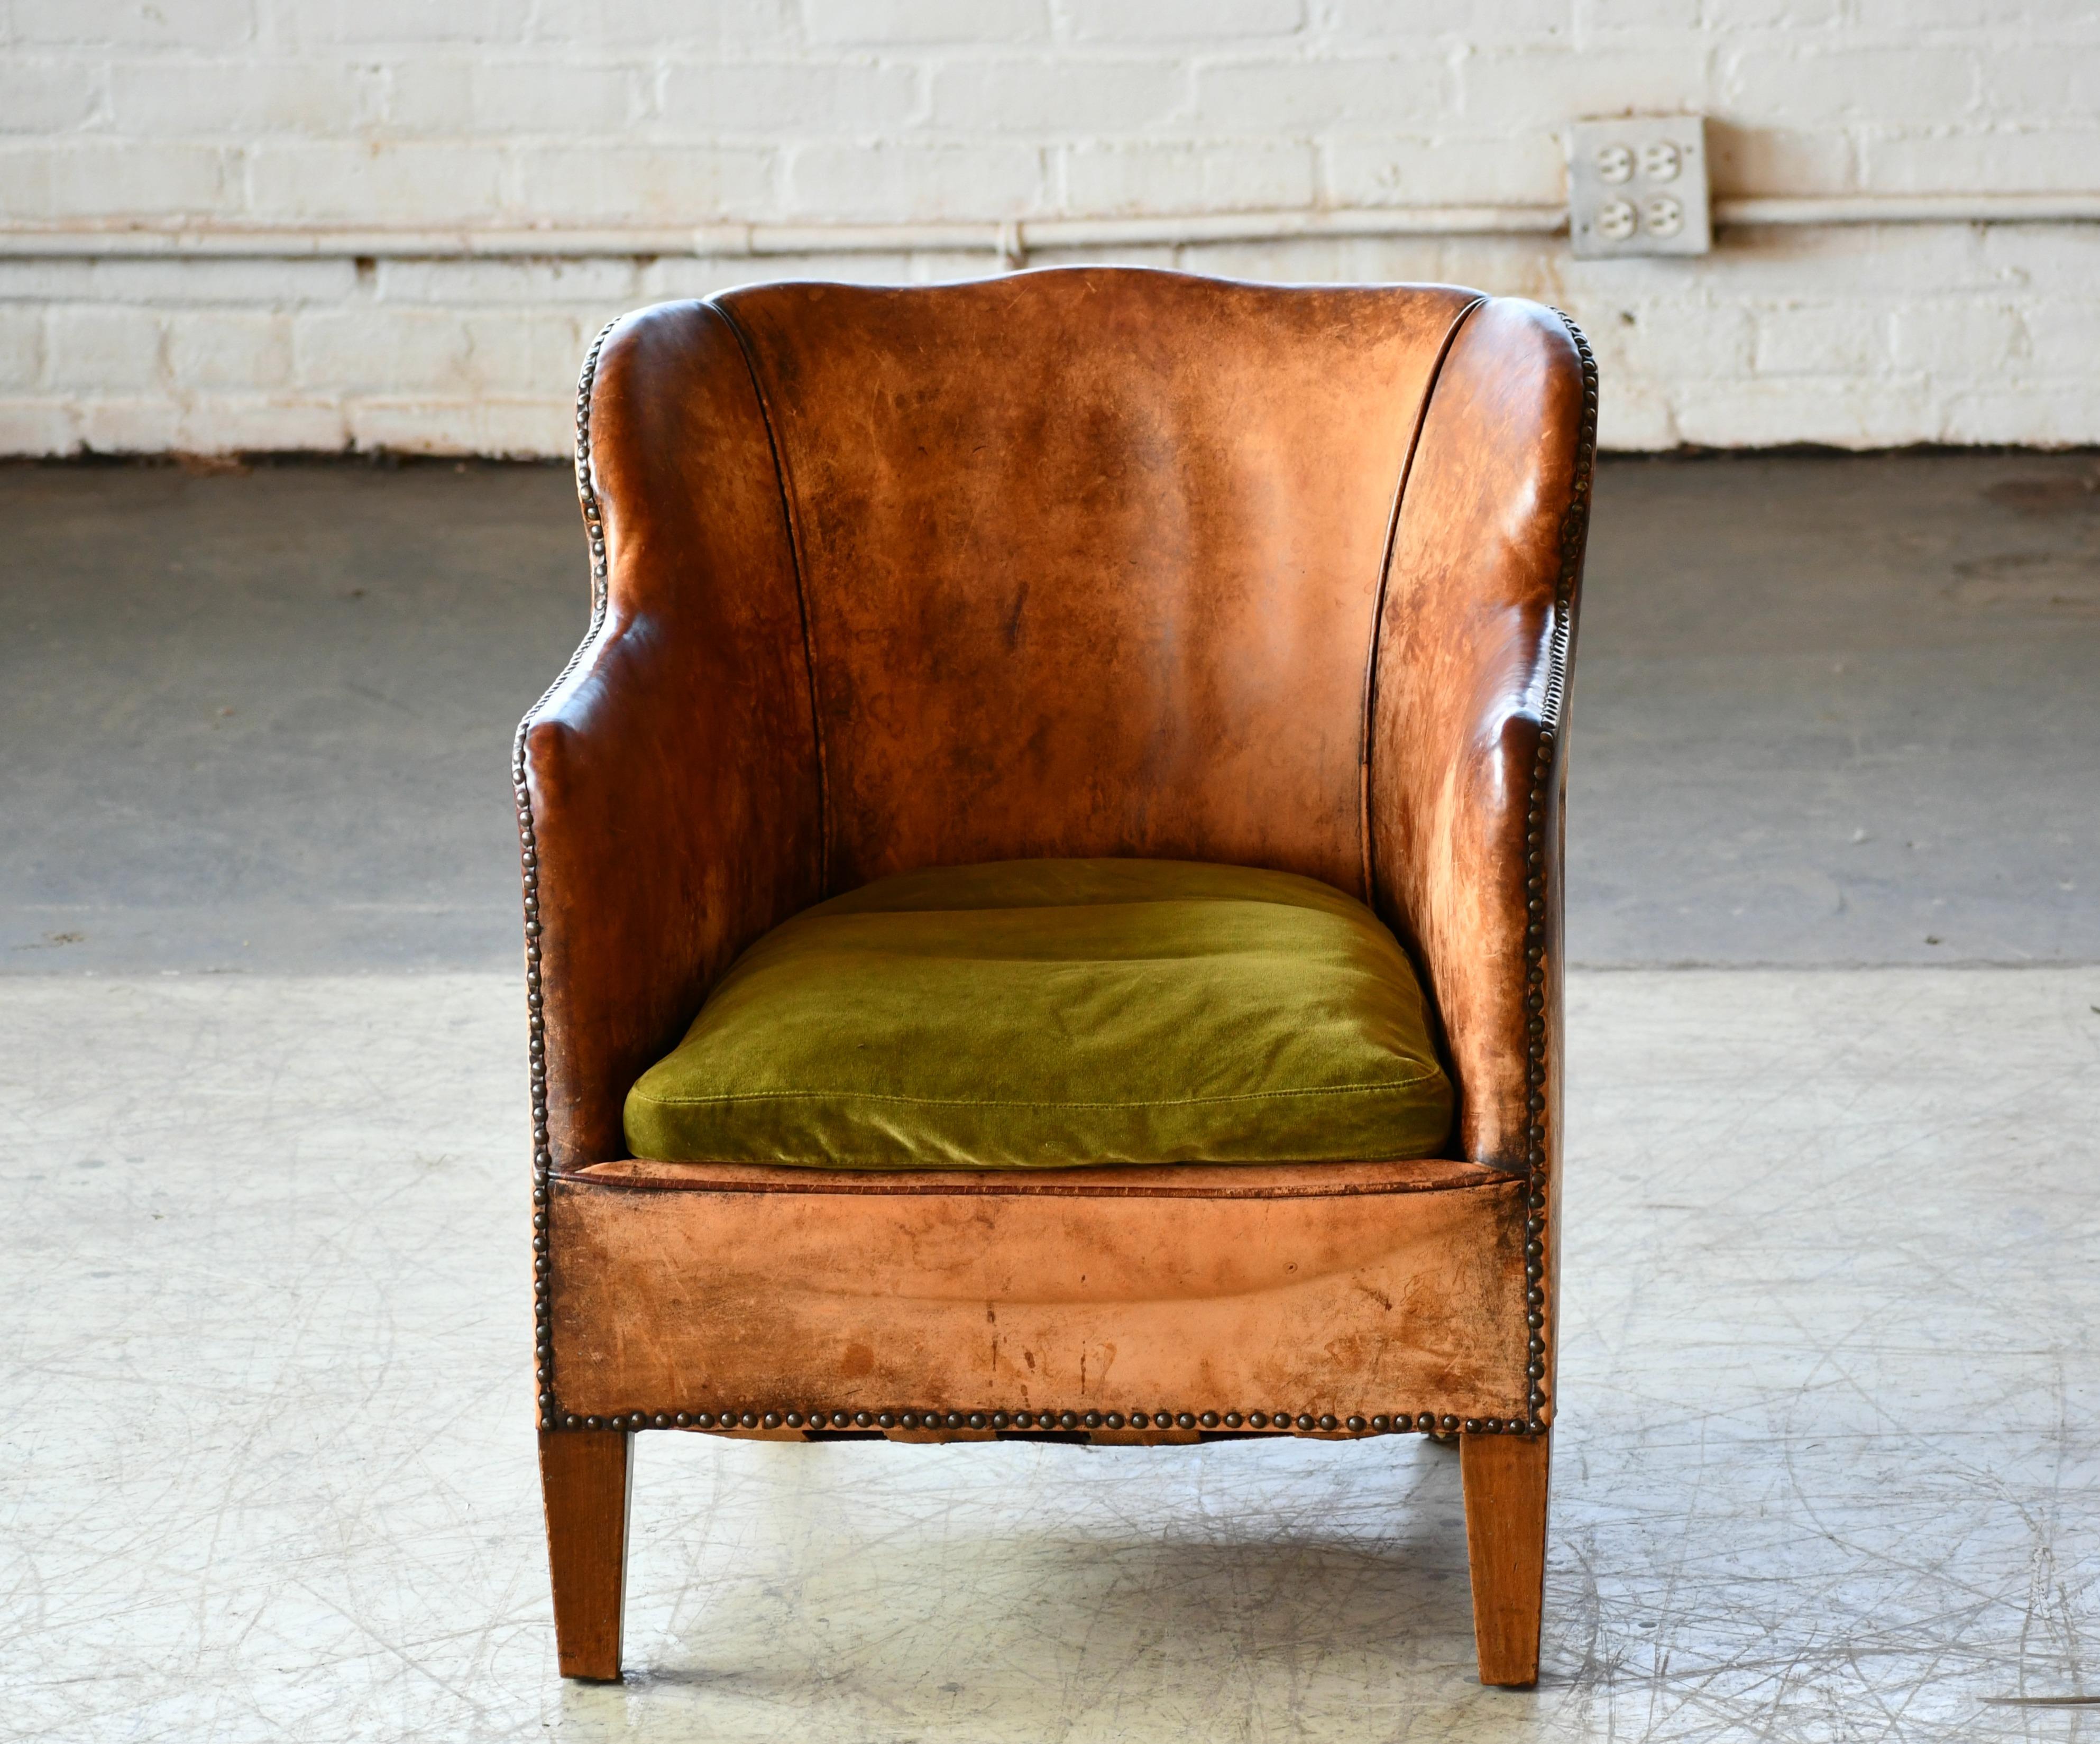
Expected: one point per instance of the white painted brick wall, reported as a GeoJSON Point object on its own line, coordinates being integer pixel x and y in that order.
{"type": "Point", "coordinates": [681, 113]}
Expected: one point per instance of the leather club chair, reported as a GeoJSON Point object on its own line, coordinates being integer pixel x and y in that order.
{"type": "Point", "coordinates": [1103, 566]}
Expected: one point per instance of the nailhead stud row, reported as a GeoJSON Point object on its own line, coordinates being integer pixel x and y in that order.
{"type": "Point", "coordinates": [528, 849]}
{"type": "Point", "coordinates": [1574, 527]}
{"type": "Point", "coordinates": [1326, 1423]}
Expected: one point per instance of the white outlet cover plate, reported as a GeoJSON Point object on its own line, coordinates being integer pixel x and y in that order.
{"type": "Point", "coordinates": [1637, 186]}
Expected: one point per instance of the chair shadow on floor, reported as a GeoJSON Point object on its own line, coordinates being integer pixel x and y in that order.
{"type": "Point", "coordinates": [1046, 1590]}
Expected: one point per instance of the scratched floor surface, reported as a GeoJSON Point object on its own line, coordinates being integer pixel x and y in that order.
{"type": "Point", "coordinates": [1829, 1465]}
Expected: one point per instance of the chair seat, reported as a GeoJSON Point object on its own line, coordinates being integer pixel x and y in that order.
{"type": "Point", "coordinates": [1056, 1013]}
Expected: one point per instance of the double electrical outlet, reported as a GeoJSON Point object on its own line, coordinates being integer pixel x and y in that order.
{"type": "Point", "coordinates": [1637, 186]}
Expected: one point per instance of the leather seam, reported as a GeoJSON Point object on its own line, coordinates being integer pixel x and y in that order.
{"type": "Point", "coordinates": [783, 479]}
{"type": "Point", "coordinates": [1023, 1188]}
{"type": "Point", "coordinates": [1378, 594]}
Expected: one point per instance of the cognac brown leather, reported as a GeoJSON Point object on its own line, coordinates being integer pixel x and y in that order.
{"type": "Point", "coordinates": [1339, 1303]}
{"type": "Point", "coordinates": [1090, 559]}
{"type": "Point", "coordinates": [671, 772]}
{"type": "Point", "coordinates": [1087, 562]}
{"type": "Point", "coordinates": [1459, 694]}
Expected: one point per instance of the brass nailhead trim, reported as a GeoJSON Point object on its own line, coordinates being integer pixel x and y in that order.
{"type": "Point", "coordinates": [528, 852]}
{"type": "Point", "coordinates": [1304, 1423]}
{"type": "Point", "coordinates": [1574, 527]}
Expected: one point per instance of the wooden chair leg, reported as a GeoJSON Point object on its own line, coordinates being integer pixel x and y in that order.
{"type": "Point", "coordinates": [586, 1477]}
{"type": "Point", "coordinates": [1505, 1480]}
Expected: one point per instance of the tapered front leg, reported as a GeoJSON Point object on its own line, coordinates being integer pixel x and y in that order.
{"type": "Point", "coordinates": [1505, 1480]}
{"type": "Point", "coordinates": [585, 1475]}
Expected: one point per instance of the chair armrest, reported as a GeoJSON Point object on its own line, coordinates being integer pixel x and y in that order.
{"type": "Point", "coordinates": [666, 783]}
{"type": "Point", "coordinates": [1469, 680]}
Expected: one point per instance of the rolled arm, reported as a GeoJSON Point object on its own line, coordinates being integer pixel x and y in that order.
{"type": "Point", "coordinates": [667, 786]}
{"type": "Point", "coordinates": [1466, 746]}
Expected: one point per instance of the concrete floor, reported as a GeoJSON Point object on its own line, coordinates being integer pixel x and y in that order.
{"type": "Point", "coordinates": [1830, 1444]}
{"type": "Point", "coordinates": [1828, 1467]}
{"type": "Point", "coordinates": [1826, 711]}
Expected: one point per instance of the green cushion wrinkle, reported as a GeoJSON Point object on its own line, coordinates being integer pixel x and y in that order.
{"type": "Point", "coordinates": [1050, 1013]}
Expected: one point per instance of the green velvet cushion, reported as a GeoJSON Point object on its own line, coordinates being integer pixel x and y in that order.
{"type": "Point", "coordinates": [1045, 1014]}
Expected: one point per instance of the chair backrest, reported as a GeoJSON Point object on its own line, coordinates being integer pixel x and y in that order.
{"type": "Point", "coordinates": [1089, 558]}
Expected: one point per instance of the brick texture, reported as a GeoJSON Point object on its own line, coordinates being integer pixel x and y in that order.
{"type": "Point", "coordinates": [387, 113]}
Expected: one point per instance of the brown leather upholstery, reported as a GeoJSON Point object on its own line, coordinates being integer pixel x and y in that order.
{"type": "Point", "coordinates": [1090, 559]}
{"type": "Point", "coordinates": [671, 773]}
{"type": "Point", "coordinates": [1086, 562]}
{"type": "Point", "coordinates": [1382, 1282]}
{"type": "Point", "coordinates": [1464, 679]}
